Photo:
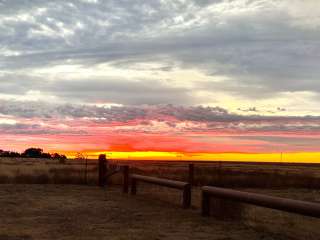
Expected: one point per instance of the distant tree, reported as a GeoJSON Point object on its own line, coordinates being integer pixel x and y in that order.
{"type": "Point", "coordinates": [9, 154]}
{"type": "Point", "coordinates": [46, 155]}
{"type": "Point", "coordinates": [62, 158]}
{"type": "Point", "coordinates": [55, 155]}
{"type": "Point", "coordinates": [14, 154]}
{"type": "Point", "coordinates": [58, 156]}
{"type": "Point", "coordinates": [33, 153]}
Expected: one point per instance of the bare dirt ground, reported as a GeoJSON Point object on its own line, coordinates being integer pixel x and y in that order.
{"type": "Point", "coordinates": [87, 212]}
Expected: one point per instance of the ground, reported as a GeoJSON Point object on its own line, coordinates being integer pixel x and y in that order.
{"type": "Point", "coordinates": [39, 211]}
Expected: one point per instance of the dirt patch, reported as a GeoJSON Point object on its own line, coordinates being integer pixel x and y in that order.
{"type": "Point", "coordinates": [86, 212]}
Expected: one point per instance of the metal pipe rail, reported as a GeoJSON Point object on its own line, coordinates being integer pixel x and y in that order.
{"type": "Point", "coordinates": [284, 204]}
{"type": "Point", "coordinates": [184, 186]}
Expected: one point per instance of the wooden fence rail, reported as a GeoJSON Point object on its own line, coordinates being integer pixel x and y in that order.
{"type": "Point", "coordinates": [284, 204]}
{"type": "Point", "coordinates": [184, 186]}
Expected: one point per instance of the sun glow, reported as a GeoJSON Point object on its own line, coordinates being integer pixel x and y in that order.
{"type": "Point", "coordinates": [303, 157]}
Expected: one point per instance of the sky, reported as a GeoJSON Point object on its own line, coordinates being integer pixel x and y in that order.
{"type": "Point", "coordinates": [177, 77]}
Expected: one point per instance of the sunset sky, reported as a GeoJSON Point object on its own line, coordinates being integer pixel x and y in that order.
{"type": "Point", "coordinates": [159, 78]}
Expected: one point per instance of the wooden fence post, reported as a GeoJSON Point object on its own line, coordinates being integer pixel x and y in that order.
{"type": "Point", "coordinates": [125, 170]}
{"type": "Point", "coordinates": [205, 204]}
{"type": "Point", "coordinates": [102, 170]}
{"type": "Point", "coordinates": [133, 186]}
{"type": "Point", "coordinates": [191, 174]}
{"type": "Point", "coordinates": [187, 196]}
{"type": "Point", "coordinates": [86, 172]}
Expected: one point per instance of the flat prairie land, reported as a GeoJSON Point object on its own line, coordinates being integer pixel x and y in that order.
{"type": "Point", "coordinates": [44, 199]}
{"type": "Point", "coordinates": [87, 212]}
{"type": "Point", "coordinates": [224, 174]}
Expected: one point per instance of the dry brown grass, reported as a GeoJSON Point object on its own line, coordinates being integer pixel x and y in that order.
{"type": "Point", "coordinates": [288, 224]}
{"type": "Point", "coordinates": [64, 212]}
{"type": "Point", "coordinates": [237, 175]}
{"type": "Point", "coordinates": [243, 175]}
{"type": "Point", "coordinates": [42, 171]}
{"type": "Point", "coordinates": [290, 181]}
{"type": "Point", "coordinates": [296, 182]}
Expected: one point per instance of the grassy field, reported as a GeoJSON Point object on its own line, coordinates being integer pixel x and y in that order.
{"type": "Point", "coordinates": [286, 180]}
{"type": "Point", "coordinates": [42, 171]}
{"type": "Point", "coordinates": [226, 174]}
{"type": "Point", "coordinates": [81, 212]}
{"type": "Point", "coordinates": [235, 174]}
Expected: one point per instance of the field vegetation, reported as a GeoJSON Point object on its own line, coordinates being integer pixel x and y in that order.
{"type": "Point", "coordinates": [296, 181]}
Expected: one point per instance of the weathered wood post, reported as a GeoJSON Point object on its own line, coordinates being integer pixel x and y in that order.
{"type": "Point", "coordinates": [125, 170]}
{"type": "Point", "coordinates": [102, 170]}
{"type": "Point", "coordinates": [133, 186]}
{"type": "Point", "coordinates": [86, 171]}
{"type": "Point", "coordinates": [191, 174]}
{"type": "Point", "coordinates": [187, 196]}
{"type": "Point", "coordinates": [205, 204]}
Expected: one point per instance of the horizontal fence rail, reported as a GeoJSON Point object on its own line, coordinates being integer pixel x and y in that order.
{"type": "Point", "coordinates": [184, 186]}
{"type": "Point", "coordinates": [284, 204]}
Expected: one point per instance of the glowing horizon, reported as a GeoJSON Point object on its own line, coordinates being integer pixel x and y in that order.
{"type": "Point", "coordinates": [185, 77]}
{"type": "Point", "coordinates": [287, 157]}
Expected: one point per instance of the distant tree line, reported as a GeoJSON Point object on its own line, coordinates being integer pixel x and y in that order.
{"type": "Point", "coordinates": [32, 153]}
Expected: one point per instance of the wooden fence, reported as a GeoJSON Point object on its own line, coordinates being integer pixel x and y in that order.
{"type": "Point", "coordinates": [184, 186]}
{"type": "Point", "coordinates": [284, 204]}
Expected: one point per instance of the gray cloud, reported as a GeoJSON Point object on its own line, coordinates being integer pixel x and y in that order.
{"type": "Point", "coordinates": [201, 119]}
{"type": "Point", "coordinates": [45, 110]}
{"type": "Point", "coordinates": [98, 90]}
{"type": "Point", "coordinates": [203, 125]}
{"type": "Point", "coordinates": [120, 91]}
{"type": "Point", "coordinates": [262, 52]}
{"type": "Point", "coordinates": [36, 129]}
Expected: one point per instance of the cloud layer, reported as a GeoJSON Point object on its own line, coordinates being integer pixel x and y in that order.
{"type": "Point", "coordinates": [198, 69]}
{"type": "Point", "coordinates": [255, 49]}
{"type": "Point", "coordinates": [153, 128]}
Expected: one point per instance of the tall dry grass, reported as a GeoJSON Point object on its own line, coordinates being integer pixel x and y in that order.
{"type": "Point", "coordinates": [244, 175]}
{"type": "Point", "coordinates": [260, 177]}
{"type": "Point", "coordinates": [42, 171]}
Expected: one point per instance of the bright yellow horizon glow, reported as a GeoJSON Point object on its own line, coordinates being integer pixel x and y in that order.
{"type": "Point", "coordinates": [297, 157]}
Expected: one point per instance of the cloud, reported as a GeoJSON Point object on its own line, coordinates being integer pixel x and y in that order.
{"type": "Point", "coordinates": [43, 110]}
{"type": "Point", "coordinates": [152, 127]}
{"type": "Point", "coordinates": [119, 91]}
{"type": "Point", "coordinates": [153, 119]}
{"type": "Point", "coordinates": [261, 48]}
{"type": "Point", "coordinates": [131, 92]}
{"type": "Point", "coordinates": [144, 67]}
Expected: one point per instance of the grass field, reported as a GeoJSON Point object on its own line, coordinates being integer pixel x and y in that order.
{"type": "Point", "coordinates": [44, 171]}
{"type": "Point", "coordinates": [81, 212]}
{"type": "Point", "coordinates": [226, 174]}
{"type": "Point", "coordinates": [285, 180]}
